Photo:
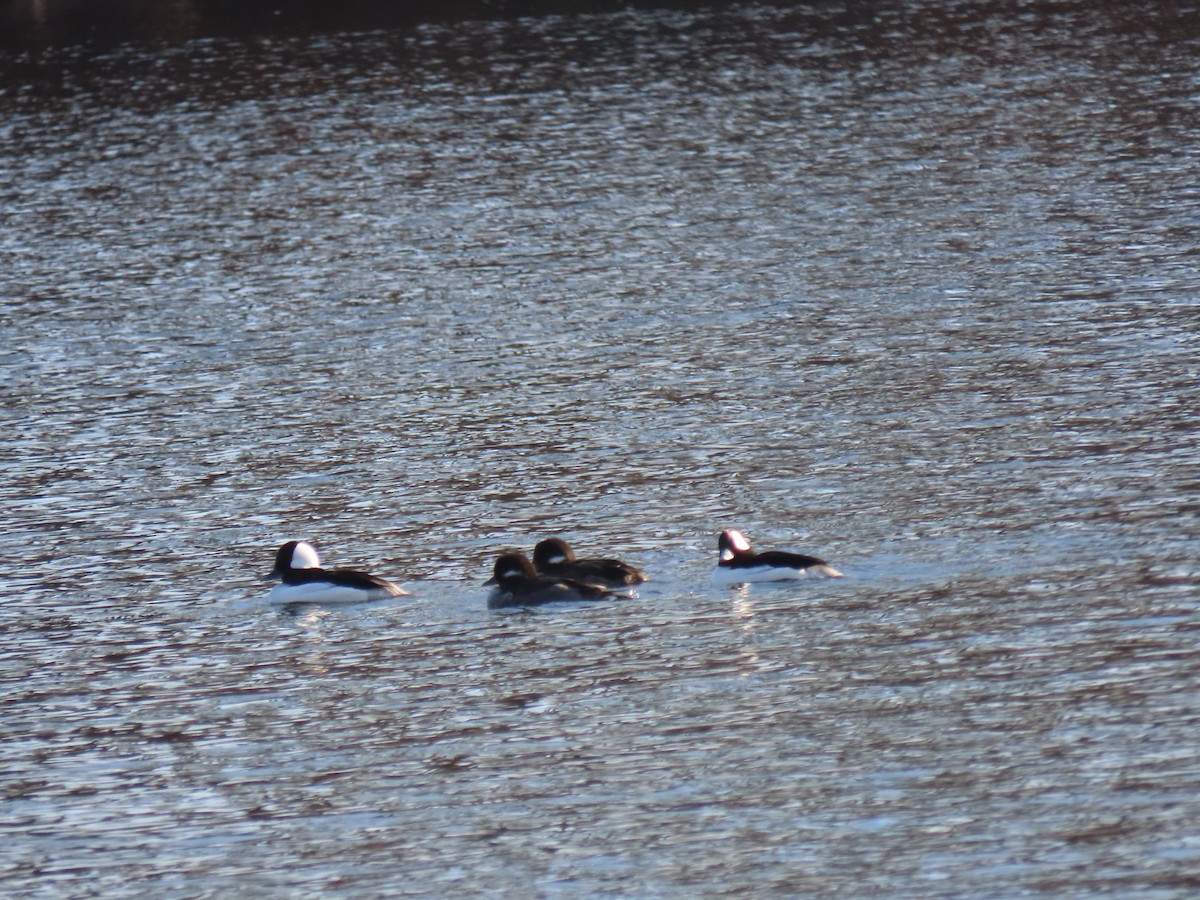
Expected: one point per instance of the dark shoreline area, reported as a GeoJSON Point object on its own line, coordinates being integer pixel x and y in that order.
{"type": "Point", "coordinates": [32, 25]}
{"type": "Point", "coordinates": [44, 23]}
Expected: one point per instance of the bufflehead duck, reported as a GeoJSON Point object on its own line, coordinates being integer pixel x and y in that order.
{"type": "Point", "coordinates": [554, 557]}
{"type": "Point", "coordinates": [304, 581]}
{"type": "Point", "coordinates": [739, 564]}
{"type": "Point", "coordinates": [518, 584]}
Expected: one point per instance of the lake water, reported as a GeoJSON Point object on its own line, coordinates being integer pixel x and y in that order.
{"type": "Point", "coordinates": [913, 287]}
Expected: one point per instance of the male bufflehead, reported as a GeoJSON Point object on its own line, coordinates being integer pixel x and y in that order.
{"type": "Point", "coordinates": [554, 557]}
{"type": "Point", "coordinates": [739, 564]}
{"type": "Point", "coordinates": [304, 581]}
{"type": "Point", "coordinates": [518, 584]}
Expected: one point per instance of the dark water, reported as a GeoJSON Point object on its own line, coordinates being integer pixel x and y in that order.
{"type": "Point", "coordinates": [913, 287]}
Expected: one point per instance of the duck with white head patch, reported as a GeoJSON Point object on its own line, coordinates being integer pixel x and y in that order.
{"type": "Point", "coordinates": [554, 556]}
{"type": "Point", "coordinates": [517, 583]}
{"type": "Point", "coordinates": [298, 567]}
{"type": "Point", "coordinates": [738, 564]}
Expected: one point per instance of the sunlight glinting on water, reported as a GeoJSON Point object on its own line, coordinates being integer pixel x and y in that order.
{"type": "Point", "coordinates": [911, 290]}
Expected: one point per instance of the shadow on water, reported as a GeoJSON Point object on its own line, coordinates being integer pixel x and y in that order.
{"type": "Point", "coordinates": [34, 23]}
{"type": "Point", "coordinates": [43, 22]}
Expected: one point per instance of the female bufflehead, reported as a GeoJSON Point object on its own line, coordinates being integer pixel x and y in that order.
{"type": "Point", "coordinates": [554, 557]}
{"type": "Point", "coordinates": [518, 584]}
{"type": "Point", "coordinates": [304, 581]}
{"type": "Point", "coordinates": [739, 564]}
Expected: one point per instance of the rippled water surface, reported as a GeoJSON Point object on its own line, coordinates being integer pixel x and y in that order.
{"type": "Point", "coordinates": [914, 288]}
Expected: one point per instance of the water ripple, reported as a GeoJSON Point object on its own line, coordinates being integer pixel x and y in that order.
{"type": "Point", "coordinates": [913, 290]}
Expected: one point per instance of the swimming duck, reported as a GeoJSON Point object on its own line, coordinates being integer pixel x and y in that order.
{"type": "Point", "coordinates": [554, 556]}
{"type": "Point", "coordinates": [298, 567]}
{"type": "Point", "coordinates": [738, 564]}
{"type": "Point", "coordinates": [517, 583]}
